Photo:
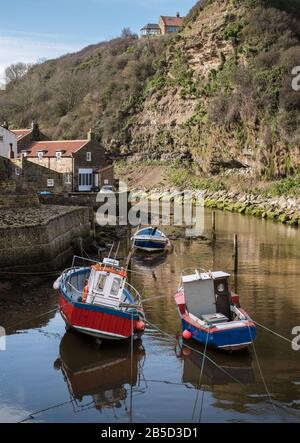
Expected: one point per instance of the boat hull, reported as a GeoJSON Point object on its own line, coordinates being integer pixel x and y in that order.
{"type": "Point", "coordinates": [229, 339]}
{"type": "Point", "coordinates": [150, 245]}
{"type": "Point", "coordinates": [97, 321]}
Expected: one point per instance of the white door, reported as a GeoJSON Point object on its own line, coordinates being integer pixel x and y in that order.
{"type": "Point", "coordinates": [85, 179]}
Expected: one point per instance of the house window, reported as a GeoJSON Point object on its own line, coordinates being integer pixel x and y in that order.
{"type": "Point", "coordinates": [106, 182]}
{"type": "Point", "coordinates": [172, 29]}
{"type": "Point", "coordinates": [50, 183]}
{"type": "Point", "coordinates": [58, 155]}
{"type": "Point", "coordinates": [40, 155]}
{"type": "Point", "coordinates": [68, 178]}
{"type": "Point", "coordinates": [1, 138]}
{"type": "Point", "coordinates": [88, 156]}
{"type": "Point", "coordinates": [24, 153]}
{"type": "Point", "coordinates": [17, 171]}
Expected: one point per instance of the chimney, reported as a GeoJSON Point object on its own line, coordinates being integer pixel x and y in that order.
{"type": "Point", "coordinates": [178, 14]}
{"type": "Point", "coordinates": [5, 125]}
{"type": "Point", "coordinates": [35, 125]}
{"type": "Point", "coordinates": [91, 135]}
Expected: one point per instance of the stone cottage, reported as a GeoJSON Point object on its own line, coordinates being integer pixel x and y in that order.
{"type": "Point", "coordinates": [82, 164]}
{"type": "Point", "coordinates": [170, 25]}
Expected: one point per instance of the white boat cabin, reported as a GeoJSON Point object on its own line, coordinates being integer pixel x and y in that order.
{"type": "Point", "coordinates": [207, 296]}
{"type": "Point", "coordinates": [106, 284]}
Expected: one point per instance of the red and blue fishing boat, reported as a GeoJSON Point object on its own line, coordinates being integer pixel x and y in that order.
{"type": "Point", "coordinates": [211, 314]}
{"type": "Point", "coordinates": [150, 240]}
{"type": "Point", "coordinates": [97, 300]}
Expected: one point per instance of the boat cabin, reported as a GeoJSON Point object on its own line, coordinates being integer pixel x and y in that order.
{"type": "Point", "coordinates": [207, 296]}
{"type": "Point", "coordinates": [106, 284]}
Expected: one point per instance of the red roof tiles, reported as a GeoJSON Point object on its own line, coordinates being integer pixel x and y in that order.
{"type": "Point", "coordinates": [50, 148]}
{"type": "Point", "coordinates": [172, 21]}
{"type": "Point", "coordinates": [20, 133]}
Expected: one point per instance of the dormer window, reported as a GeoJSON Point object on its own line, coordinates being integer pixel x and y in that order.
{"type": "Point", "coordinates": [24, 153]}
{"type": "Point", "coordinates": [40, 155]}
{"type": "Point", "coordinates": [58, 155]}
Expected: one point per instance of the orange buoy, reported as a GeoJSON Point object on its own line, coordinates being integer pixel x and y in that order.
{"type": "Point", "coordinates": [140, 325]}
{"type": "Point", "coordinates": [187, 334]}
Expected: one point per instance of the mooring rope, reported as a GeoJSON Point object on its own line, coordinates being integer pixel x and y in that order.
{"type": "Point", "coordinates": [174, 339]}
{"type": "Point", "coordinates": [200, 378]}
{"type": "Point", "coordinates": [272, 332]}
{"type": "Point", "coordinates": [262, 375]}
{"type": "Point", "coordinates": [32, 318]}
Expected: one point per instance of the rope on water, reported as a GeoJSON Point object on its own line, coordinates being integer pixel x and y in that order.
{"type": "Point", "coordinates": [200, 379]}
{"type": "Point", "coordinates": [47, 273]}
{"type": "Point", "coordinates": [32, 318]}
{"type": "Point", "coordinates": [272, 332]}
{"type": "Point", "coordinates": [174, 339]}
{"type": "Point", "coordinates": [262, 375]}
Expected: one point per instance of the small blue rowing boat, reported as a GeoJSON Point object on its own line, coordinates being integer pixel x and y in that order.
{"type": "Point", "coordinates": [150, 239]}
{"type": "Point", "coordinates": [211, 314]}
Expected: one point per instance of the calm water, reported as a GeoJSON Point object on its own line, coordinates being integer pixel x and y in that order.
{"type": "Point", "coordinates": [56, 376]}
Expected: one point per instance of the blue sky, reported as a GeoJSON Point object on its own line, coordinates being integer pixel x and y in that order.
{"type": "Point", "coordinates": [37, 29]}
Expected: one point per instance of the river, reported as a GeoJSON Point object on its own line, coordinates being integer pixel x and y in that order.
{"type": "Point", "coordinates": [49, 375]}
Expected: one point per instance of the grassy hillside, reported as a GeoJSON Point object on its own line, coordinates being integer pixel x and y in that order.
{"type": "Point", "coordinates": [98, 87]}
{"type": "Point", "coordinates": [218, 93]}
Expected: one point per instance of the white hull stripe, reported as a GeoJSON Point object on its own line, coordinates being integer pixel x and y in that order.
{"type": "Point", "coordinates": [232, 346]}
{"type": "Point", "coordinates": [98, 332]}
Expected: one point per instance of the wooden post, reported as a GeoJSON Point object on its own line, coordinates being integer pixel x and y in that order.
{"type": "Point", "coordinates": [235, 253]}
{"type": "Point", "coordinates": [213, 226]}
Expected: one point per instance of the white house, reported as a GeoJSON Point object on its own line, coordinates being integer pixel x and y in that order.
{"type": "Point", "coordinates": [8, 143]}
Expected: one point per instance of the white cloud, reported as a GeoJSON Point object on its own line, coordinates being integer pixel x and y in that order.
{"type": "Point", "coordinates": [29, 47]}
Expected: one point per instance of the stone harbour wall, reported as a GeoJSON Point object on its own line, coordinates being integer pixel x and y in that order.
{"type": "Point", "coordinates": [42, 238]}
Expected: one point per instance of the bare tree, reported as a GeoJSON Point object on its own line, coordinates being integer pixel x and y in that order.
{"type": "Point", "coordinates": [16, 71]}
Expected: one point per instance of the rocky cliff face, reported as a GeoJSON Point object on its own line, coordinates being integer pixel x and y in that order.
{"type": "Point", "coordinates": [222, 93]}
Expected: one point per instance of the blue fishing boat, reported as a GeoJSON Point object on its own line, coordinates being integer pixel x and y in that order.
{"type": "Point", "coordinates": [150, 239]}
{"type": "Point", "coordinates": [211, 314]}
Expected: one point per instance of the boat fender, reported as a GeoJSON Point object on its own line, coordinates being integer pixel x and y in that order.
{"type": "Point", "coordinates": [56, 284]}
{"type": "Point", "coordinates": [85, 293]}
{"type": "Point", "coordinates": [140, 325]}
{"type": "Point", "coordinates": [235, 299]}
{"type": "Point", "coordinates": [187, 334]}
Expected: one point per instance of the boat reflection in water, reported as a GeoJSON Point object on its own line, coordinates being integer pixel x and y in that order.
{"type": "Point", "coordinates": [147, 262]}
{"type": "Point", "coordinates": [100, 372]}
{"type": "Point", "coordinates": [218, 368]}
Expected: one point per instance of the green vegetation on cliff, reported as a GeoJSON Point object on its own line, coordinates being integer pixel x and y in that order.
{"type": "Point", "coordinates": [219, 92]}
{"type": "Point", "coordinates": [100, 87]}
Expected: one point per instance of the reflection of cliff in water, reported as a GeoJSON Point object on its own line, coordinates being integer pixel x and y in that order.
{"type": "Point", "coordinates": [100, 371]}
{"type": "Point", "coordinates": [26, 304]}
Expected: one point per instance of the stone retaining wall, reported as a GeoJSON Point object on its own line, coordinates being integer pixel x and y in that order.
{"type": "Point", "coordinates": [42, 240]}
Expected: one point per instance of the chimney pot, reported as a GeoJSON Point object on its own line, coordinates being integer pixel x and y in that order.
{"type": "Point", "coordinates": [91, 135]}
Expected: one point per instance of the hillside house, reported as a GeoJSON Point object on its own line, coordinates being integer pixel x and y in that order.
{"type": "Point", "coordinates": [150, 30]}
{"type": "Point", "coordinates": [169, 25]}
{"type": "Point", "coordinates": [82, 164]}
{"type": "Point", "coordinates": [8, 143]}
